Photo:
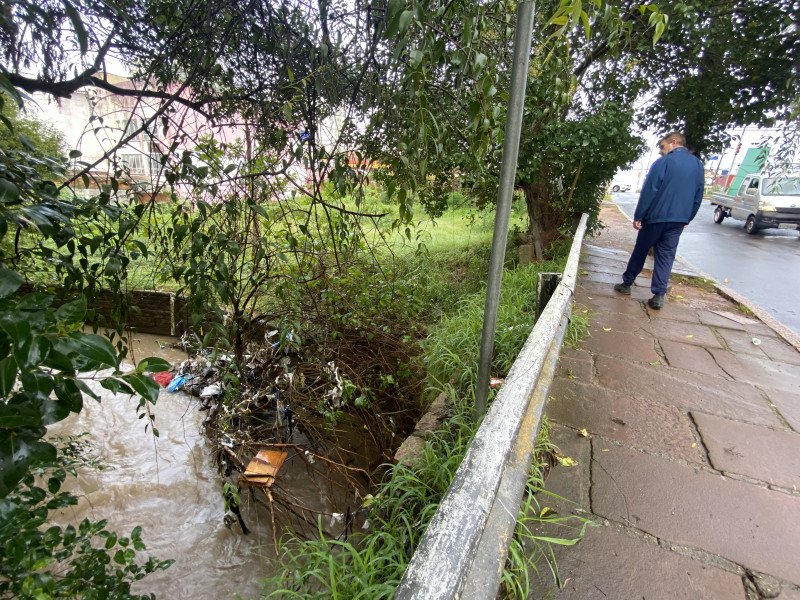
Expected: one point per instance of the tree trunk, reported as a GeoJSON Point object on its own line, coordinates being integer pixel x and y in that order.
{"type": "Point", "coordinates": [543, 219]}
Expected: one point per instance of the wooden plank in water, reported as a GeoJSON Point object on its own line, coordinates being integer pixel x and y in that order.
{"type": "Point", "coordinates": [263, 468]}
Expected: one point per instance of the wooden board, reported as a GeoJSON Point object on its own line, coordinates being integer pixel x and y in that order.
{"type": "Point", "coordinates": [263, 468]}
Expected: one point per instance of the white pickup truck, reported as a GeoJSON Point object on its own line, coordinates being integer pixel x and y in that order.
{"type": "Point", "coordinates": [762, 202]}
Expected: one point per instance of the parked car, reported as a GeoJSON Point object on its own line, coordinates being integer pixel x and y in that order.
{"type": "Point", "coordinates": [617, 186]}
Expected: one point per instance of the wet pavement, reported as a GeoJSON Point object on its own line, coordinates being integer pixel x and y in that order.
{"type": "Point", "coordinates": [691, 463]}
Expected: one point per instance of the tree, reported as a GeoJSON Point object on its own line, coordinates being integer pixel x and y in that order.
{"type": "Point", "coordinates": [723, 64]}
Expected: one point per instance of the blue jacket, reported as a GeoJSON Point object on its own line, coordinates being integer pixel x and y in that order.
{"type": "Point", "coordinates": [673, 189]}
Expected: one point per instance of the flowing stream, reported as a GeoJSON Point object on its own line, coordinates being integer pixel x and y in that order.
{"type": "Point", "coordinates": [170, 486]}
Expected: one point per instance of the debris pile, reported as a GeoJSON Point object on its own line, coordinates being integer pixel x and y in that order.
{"type": "Point", "coordinates": [274, 402]}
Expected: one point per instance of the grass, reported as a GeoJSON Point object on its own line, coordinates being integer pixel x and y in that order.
{"type": "Point", "coordinates": [700, 283]}
{"type": "Point", "coordinates": [578, 327]}
{"type": "Point", "coordinates": [371, 564]}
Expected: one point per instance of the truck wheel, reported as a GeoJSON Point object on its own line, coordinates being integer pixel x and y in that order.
{"type": "Point", "coordinates": [615, 188]}
{"type": "Point", "coordinates": [750, 226]}
{"type": "Point", "coordinates": [719, 214]}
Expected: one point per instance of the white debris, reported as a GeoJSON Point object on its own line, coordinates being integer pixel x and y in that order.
{"type": "Point", "coordinates": [210, 391]}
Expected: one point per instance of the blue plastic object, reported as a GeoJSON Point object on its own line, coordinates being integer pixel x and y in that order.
{"type": "Point", "coordinates": [176, 383]}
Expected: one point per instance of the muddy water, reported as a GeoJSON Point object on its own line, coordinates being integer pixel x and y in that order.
{"type": "Point", "coordinates": [170, 487]}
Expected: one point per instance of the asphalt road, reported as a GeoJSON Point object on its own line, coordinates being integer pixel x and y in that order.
{"type": "Point", "coordinates": [764, 267]}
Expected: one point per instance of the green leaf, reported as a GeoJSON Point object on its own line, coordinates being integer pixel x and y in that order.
{"type": "Point", "coordinates": [405, 21]}
{"type": "Point", "coordinates": [8, 374]}
{"type": "Point", "coordinates": [659, 32]}
{"type": "Point", "coordinates": [95, 348]}
{"type": "Point", "coordinates": [37, 383]}
{"type": "Point", "coordinates": [31, 351]}
{"type": "Point", "coordinates": [116, 386]}
{"type": "Point", "coordinates": [9, 280]}
{"type": "Point", "coordinates": [393, 17]}
{"type": "Point", "coordinates": [20, 413]}
{"type": "Point", "coordinates": [143, 385]}
{"type": "Point", "coordinates": [153, 364]}
{"type": "Point", "coordinates": [35, 301]}
{"type": "Point", "coordinates": [19, 452]}
{"type": "Point", "coordinates": [9, 193]}
{"type": "Point", "coordinates": [222, 268]}
{"type": "Point", "coordinates": [72, 312]}
{"type": "Point", "coordinates": [69, 393]}
{"type": "Point", "coordinates": [12, 92]}
{"type": "Point", "coordinates": [113, 266]}
{"type": "Point", "coordinates": [77, 24]}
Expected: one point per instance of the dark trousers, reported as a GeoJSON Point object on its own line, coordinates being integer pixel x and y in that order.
{"type": "Point", "coordinates": [663, 238]}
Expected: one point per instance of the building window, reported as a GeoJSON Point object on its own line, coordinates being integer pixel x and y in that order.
{"type": "Point", "coordinates": [134, 163]}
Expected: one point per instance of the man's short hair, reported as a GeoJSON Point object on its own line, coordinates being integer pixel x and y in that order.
{"type": "Point", "coordinates": [675, 136]}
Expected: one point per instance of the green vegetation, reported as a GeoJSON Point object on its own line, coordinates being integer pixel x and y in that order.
{"type": "Point", "coordinates": [370, 564]}
{"type": "Point", "coordinates": [45, 359]}
{"type": "Point", "coordinates": [86, 561]}
{"type": "Point", "coordinates": [701, 283]}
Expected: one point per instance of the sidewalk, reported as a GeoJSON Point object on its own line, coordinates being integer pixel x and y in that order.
{"type": "Point", "coordinates": [691, 466]}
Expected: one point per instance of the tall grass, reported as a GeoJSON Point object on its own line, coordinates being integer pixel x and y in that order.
{"type": "Point", "coordinates": [451, 351]}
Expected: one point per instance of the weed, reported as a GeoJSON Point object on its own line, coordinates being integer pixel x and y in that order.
{"type": "Point", "coordinates": [578, 327]}
{"type": "Point", "coordinates": [745, 311]}
{"type": "Point", "coordinates": [700, 283]}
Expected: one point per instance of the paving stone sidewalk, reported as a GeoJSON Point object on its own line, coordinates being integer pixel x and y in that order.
{"type": "Point", "coordinates": [691, 461]}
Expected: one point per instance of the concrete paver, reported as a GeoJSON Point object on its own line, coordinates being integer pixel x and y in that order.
{"type": "Point", "coordinates": [674, 312]}
{"type": "Point", "coordinates": [608, 321]}
{"type": "Point", "coordinates": [788, 405]}
{"type": "Point", "coordinates": [575, 368]}
{"type": "Point", "coordinates": [758, 452]}
{"type": "Point", "coordinates": [592, 288]}
{"type": "Point", "coordinates": [608, 564]}
{"type": "Point", "coordinates": [638, 423]}
{"type": "Point", "coordinates": [715, 320]}
{"type": "Point", "coordinates": [778, 350]}
{"type": "Point", "coordinates": [691, 358]}
{"type": "Point", "coordinates": [681, 331]}
{"type": "Point", "coordinates": [633, 346]}
{"type": "Point", "coordinates": [744, 523]}
{"type": "Point", "coordinates": [604, 305]}
{"type": "Point", "coordinates": [685, 389]}
{"type": "Point", "coordinates": [692, 460]}
{"type": "Point", "coordinates": [741, 342]}
{"type": "Point", "coordinates": [765, 373]}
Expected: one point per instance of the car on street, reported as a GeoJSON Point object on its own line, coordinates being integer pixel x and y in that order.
{"type": "Point", "coordinates": [618, 186]}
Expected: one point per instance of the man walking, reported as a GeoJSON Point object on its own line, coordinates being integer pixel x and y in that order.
{"type": "Point", "coordinates": [670, 199]}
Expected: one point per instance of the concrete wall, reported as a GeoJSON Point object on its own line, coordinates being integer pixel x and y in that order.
{"type": "Point", "coordinates": [159, 313]}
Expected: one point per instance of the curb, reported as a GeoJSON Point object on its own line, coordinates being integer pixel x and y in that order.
{"type": "Point", "coordinates": [723, 290]}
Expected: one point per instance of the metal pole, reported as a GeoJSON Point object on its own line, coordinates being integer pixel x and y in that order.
{"type": "Point", "coordinates": [729, 179]}
{"type": "Point", "coordinates": [508, 172]}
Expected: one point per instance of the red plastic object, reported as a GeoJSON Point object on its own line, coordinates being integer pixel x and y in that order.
{"type": "Point", "coordinates": [162, 378]}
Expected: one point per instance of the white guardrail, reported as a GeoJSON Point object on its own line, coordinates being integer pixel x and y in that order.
{"type": "Point", "coordinates": [464, 549]}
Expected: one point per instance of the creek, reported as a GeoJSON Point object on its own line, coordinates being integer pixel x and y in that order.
{"type": "Point", "coordinates": [171, 487]}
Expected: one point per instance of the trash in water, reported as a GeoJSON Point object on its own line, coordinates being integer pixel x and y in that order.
{"type": "Point", "coordinates": [176, 383]}
{"type": "Point", "coordinates": [263, 468]}
{"type": "Point", "coordinates": [211, 390]}
{"type": "Point", "coordinates": [163, 378]}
